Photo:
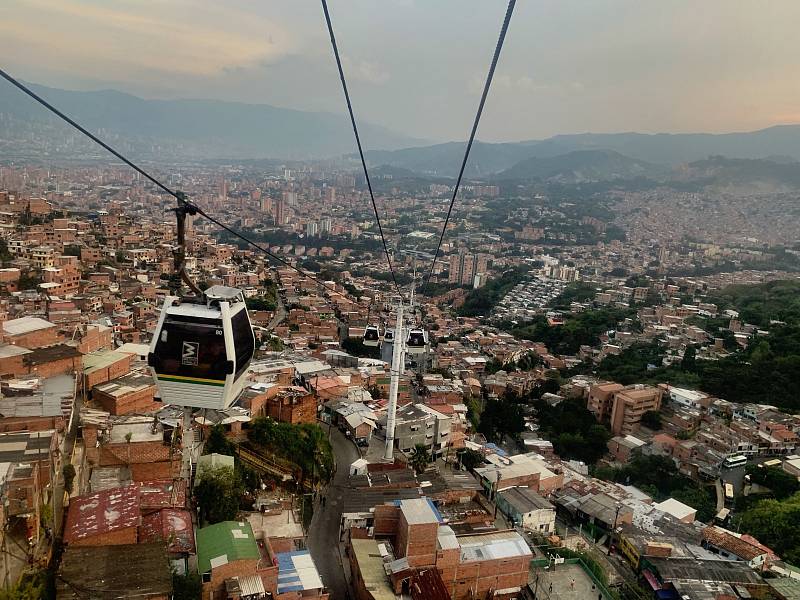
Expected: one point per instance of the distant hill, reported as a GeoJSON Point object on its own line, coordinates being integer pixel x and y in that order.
{"type": "Point", "coordinates": [189, 128]}
{"type": "Point", "coordinates": [445, 159]}
{"type": "Point", "coordinates": [580, 166]}
{"type": "Point", "coordinates": [744, 174]}
{"type": "Point", "coordinates": [781, 142]}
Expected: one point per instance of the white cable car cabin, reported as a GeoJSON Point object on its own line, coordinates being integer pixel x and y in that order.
{"type": "Point", "coordinates": [202, 348]}
{"type": "Point", "coordinates": [388, 336]}
{"type": "Point", "coordinates": [372, 336]}
{"type": "Point", "coordinates": [417, 341]}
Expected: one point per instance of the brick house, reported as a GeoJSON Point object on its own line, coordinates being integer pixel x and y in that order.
{"type": "Point", "coordinates": [131, 393]}
{"type": "Point", "coordinates": [137, 442]}
{"type": "Point", "coordinates": [30, 332]}
{"type": "Point", "coordinates": [469, 566]}
{"type": "Point", "coordinates": [100, 367]}
{"type": "Point", "coordinates": [107, 518]}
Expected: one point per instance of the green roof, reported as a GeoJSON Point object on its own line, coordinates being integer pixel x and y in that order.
{"type": "Point", "coordinates": [225, 542]}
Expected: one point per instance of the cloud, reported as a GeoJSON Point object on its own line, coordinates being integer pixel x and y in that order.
{"type": "Point", "coordinates": [175, 37]}
{"type": "Point", "coordinates": [364, 70]}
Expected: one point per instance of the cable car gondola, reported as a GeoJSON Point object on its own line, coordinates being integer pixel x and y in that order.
{"type": "Point", "coordinates": [417, 341]}
{"type": "Point", "coordinates": [372, 336]}
{"type": "Point", "coordinates": [202, 348]}
{"type": "Point", "coordinates": [388, 337]}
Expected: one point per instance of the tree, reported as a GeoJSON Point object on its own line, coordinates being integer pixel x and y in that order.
{"type": "Point", "coordinates": [69, 476]}
{"type": "Point", "coordinates": [218, 491]}
{"type": "Point", "coordinates": [689, 360]}
{"type": "Point", "coordinates": [186, 587]}
{"type": "Point", "coordinates": [500, 418]}
{"type": "Point", "coordinates": [652, 420]}
{"type": "Point", "coordinates": [32, 586]}
{"type": "Point", "coordinates": [5, 255]}
{"type": "Point", "coordinates": [29, 281]}
{"type": "Point", "coordinates": [261, 303]}
{"type": "Point", "coordinates": [781, 484]}
{"type": "Point", "coordinates": [217, 442]}
{"type": "Point", "coordinates": [774, 523]}
{"type": "Point", "coordinates": [470, 458]}
{"type": "Point", "coordinates": [420, 458]}
{"type": "Point", "coordinates": [699, 498]}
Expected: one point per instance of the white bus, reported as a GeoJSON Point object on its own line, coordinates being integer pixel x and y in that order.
{"type": "Point", "coordinates": [737, 460]}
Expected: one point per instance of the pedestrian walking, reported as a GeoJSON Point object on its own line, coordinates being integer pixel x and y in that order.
{"type": "Point", "coordinates": [572, 584]}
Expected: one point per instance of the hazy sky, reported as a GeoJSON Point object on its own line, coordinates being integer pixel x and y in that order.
{"type": "Point", "coordinates": [417, 65]}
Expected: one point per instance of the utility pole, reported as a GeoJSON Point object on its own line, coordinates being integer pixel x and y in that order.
{"type": "Point", "coordinates": [398, 362]}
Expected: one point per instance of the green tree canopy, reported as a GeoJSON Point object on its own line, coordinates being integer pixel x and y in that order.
{"type": "Point", "coordinates": [218, 491]}
{"type": "Point", "coordinates": [420, 458]}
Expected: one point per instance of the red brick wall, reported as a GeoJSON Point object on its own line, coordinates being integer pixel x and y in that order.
{"type": "Point", "coordinates": [56, 367]}
{"type": "Point", "coordinates": [35, 339]}
{"type": "Point", "coordinates": [31, 424]}
{"type": "Point", "coordinates": [116, 369]}
{"type": "Point", "coordinates": [475, 579]}
{"type": "Point", "coordinates": [386, 521]}
{"type": "Point", "coordinates": [216, 587]}
{"type": "Point", "coordinates": [140, 401]}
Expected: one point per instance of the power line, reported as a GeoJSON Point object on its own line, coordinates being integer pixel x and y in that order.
{"type": "Point", "coordinates": [179, 196]}
{"type": "Point", "coordinates": [487, 85]}
{"type": "Point", "coordinates": [358, 140]}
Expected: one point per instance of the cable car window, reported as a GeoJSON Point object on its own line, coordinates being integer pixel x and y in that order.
{"type": "Point", "coordinates": [192, 350]}
{"type": "Point", "coordinates": [243, 340]}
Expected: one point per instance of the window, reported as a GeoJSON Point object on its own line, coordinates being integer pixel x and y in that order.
{"type": "Point", "coordinates": [191, 348]}
{"type": "Point", "coordinates": [243, 340]}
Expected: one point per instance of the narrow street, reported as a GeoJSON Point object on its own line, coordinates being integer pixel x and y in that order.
{"type": "Point", "coordinates": [323, 535]}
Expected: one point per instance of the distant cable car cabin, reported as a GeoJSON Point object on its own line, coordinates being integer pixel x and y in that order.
{"type": "Point", "coordinates": [417, 341]}
{"type": "Point", "coordinates": [388, 336]}
{"type": "Point", "coordinates": [372, 336]}
{"type": "Point", "coordinates": [202, 349]}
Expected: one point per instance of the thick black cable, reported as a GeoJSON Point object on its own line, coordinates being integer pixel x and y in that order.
{"type": "Point", "coordinates": [180, 196]}
{"type": "Point", "coordinates": [358, 140]}
{"type": "Point", "coordinates": [487, 85]}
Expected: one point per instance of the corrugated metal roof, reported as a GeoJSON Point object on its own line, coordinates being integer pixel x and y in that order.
{"type": "Point", "coordinates": [171, 525]}
{"type": "Point", "coordinates": [297, 572]}
{"type": "Point", "coordinates": [251, 585]}
{"type": "Point", "coordinates": [102, 512]}
{"type": "Point", "coordinates": [232, 540]}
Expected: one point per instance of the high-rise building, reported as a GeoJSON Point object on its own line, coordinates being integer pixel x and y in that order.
{"type": "Point", "coordinates": [312, 228]}
{"type": "Point", "coordinates": [280, 211]}
{"type": "Point", "coordinates": [290, 198]}
{"type": "Point", "coordinates": [455, 269]}
{"type": "Point", "coordinates": [325, 225]}
{"type": "Point", "coordinates": [468, 269]}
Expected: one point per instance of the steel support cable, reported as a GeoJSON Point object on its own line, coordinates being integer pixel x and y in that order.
{"type": "Point", "coordinates": [179, 196]}
{"type": "Point", "coordinates": [358, 140]}
{"type": "Point", "coordinates": [487, 85]}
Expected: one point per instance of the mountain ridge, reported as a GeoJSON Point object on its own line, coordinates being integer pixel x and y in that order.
{"type": "Point", "coordinates": [198, 128]}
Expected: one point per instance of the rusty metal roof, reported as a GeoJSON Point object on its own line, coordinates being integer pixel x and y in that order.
{"type": "Point", "coordinates": [172, 525]}
{"type": "Point", "coordinates": [102, 512]}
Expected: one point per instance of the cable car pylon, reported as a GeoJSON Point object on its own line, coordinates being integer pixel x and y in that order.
{"type": "Point", "coordinates": [398, 362]}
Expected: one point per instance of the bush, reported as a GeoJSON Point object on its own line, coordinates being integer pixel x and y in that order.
{"type": "Point", "coordinates": [69, 477]}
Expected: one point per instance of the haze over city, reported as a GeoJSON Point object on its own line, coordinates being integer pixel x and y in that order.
{"type": "Point", "coordinates": [417, 67]}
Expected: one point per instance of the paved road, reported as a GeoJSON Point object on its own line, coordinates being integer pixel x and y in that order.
{"type": "Point", "coordinates": [323, 537]}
